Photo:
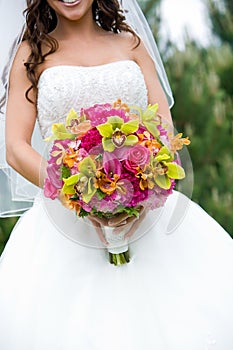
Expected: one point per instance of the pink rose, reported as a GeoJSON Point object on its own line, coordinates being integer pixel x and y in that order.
{"type": "Point", "coordinates": [137, 156]}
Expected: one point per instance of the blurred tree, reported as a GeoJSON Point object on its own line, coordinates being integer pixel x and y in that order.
{"type": "Point", "coordinates": [6, 226]}
{"type": "Point", "coordinates": [221, 15]}
{"type": "Point", "coordinates": [203, 110]}
{"type": "Point", "coordinates": [201, 80]}
{"type": "Point", "coordinates": [151, 9]}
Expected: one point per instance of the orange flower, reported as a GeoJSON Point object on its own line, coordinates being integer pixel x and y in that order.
{"type": "Point", "coordinates": [74, 205]}
{"type": "Point", "coordinates": [104, 183]}
{"type": "Point", "coordinates": [71, 158]}
{"type": "Point", "coordinates": [150, 144]}
{"type": "Point", "coordinates": [119, 105]}
{"type": "Point", "coordinates": [177, 142]}
{"type": "Point", "coordinates": [145, 178]}
{"type": "Point", "coordinates": [69, 204]}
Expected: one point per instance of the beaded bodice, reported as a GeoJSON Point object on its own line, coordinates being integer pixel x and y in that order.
{"type": "Point", "coordinates": [61, 88]}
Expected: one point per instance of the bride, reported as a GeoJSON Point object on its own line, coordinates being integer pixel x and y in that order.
{"type": "Point", "coordinates": [57, 292]}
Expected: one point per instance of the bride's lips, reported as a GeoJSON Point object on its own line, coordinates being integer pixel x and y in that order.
{"type": "Point", "coordinates": [70, 4]}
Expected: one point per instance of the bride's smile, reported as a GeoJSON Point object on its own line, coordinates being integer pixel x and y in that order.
{"type": "Point", "coordinates": [72, 10]}
{"type": "Point", "coordinates": [70, 3]}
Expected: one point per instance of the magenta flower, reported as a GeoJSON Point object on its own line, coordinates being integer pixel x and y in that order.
{"type": "Point", "coordinates": [91, 140]}
{"type": "Point", "coordinates": [137, 194]}
{"type": "Point", "coordinates": [162, 131]}
{"type": "Point", "coordinates": [111, 165]}
{"type": "Point", "coordinates": [50, 191]}
{"type": "Point", "coordinates": [54, 176]}
{"type": "Point", "coordinates": [124, 192]}
{"type": "Point", "coordinates": [106, 205]}
{"type": "Point", "coordinates": [57, 152]}
{"type": "Point", "coordinates": [99, 113]}
{"type": "Point", "coordinates": [121, 153]}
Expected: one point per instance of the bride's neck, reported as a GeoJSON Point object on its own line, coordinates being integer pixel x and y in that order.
{"type": "Point", "coordinates": [83, 28]}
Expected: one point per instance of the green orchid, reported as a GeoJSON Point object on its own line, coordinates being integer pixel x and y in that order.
{"type": "Point", "coordinates": [83, 182]}
{"type": "Point", "coordinates": [117, 133]}
{"type": "Point", "coordinates": [60, 133]}
{"type": "Point", "coordinates": [164, 169]}
{"type": "Point", "coordinates": [72, 115]}
{"type": "Point", "coordinates": [69, 183]}
{"type": "Point", "coordinates": [150, 120]}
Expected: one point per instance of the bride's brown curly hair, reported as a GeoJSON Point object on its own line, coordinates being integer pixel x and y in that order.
{"type": "Point", "coordinates": [41, 20]}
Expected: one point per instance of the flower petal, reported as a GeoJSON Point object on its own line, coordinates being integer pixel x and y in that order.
{"type": "Point", "coordinates": [105, 130]}
{"type": "Point", "coordinates": [131, 140]}
{"type": "Point", "coordinates": [108, 145]}
{"type": "Point", "coordinates": [163, 181]}
{"type": "Point", "coordinates": [130, 127]}
{"type": "Point", "coordinates": [175, 171]}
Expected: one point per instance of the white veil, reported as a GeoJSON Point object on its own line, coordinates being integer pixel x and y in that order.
{"type": "Point", "coordinates": [136, 19]}
{"type": "Point", "coordinates": [16, 193]}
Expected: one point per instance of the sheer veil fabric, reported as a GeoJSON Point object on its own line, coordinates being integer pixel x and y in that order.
{"type": "Point", "coordinates": [20, 193]}
{"type": "Point", "coordinates": [16, 193]}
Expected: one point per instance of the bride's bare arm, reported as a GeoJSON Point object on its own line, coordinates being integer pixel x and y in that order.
{"type": "Point", "coordinates": [20, 122]}
{"type": "Point", "coordinates": [156, 93]}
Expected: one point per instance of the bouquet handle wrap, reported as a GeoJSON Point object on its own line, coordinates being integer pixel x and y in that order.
{"type": "Point", "coordinates": [117, 242]}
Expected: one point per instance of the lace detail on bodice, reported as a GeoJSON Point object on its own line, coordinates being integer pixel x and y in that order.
{"type": "Point", "coordinates": [61, 88]}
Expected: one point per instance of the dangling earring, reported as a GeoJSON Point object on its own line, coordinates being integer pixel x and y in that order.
{"type": "Point", "coordinates": [97, 10]}
{"type": "Point", "coordinates": [49, 14]}
{"type": "Point", "coordinates": [98, 5]}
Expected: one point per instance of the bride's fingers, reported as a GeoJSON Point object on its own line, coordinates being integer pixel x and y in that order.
{"type": "Point", "coordinates": [129, 223]}
{"type": "Point", "coordinates": [118, 229]}
{"type": "Point", "coordinates": [101, 221]}
{"type": "Point", "coordinates": [118, 220]}
{"type": "Point", "coordinates": [99, 230]}
{"type": "Point", "coordinates": [123, 218]}
{"type": "Point", "coordinates": [135, 225]}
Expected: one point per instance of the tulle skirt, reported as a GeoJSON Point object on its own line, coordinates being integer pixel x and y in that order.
{"type": "Point", "coordinates": [175, 294]}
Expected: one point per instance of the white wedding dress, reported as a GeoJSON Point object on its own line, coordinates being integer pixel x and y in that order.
{"type": "Point", "coordinates": [57, 294]}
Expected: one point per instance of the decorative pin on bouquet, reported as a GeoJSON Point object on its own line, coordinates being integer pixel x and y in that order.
{"type": "Point", "coordinates": [112, 159]}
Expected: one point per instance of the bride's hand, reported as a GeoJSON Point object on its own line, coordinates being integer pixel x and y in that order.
{"type": "Point", "coordinates": [127, 223]}
{"type": "Point", "coordinates": [98, 223]}
{"type": "Point", "coordinates": [120, 222]}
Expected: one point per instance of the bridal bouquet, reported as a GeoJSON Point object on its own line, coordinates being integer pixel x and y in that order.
{"type": "Point", "coordinates": [110, 159]}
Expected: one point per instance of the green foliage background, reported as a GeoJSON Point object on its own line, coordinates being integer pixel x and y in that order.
{"type": "Point", "coordinates": [202, 84]}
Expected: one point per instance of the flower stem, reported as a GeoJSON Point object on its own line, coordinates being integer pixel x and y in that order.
{"type": "Point", "coordinates": [119, 259]}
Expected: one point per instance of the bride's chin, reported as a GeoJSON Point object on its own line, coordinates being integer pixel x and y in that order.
{"type": "Point", "coordinates": [72, 10]}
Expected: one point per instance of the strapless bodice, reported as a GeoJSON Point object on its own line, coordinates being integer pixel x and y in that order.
{"type": "Point", "coordinates": [61, 88]}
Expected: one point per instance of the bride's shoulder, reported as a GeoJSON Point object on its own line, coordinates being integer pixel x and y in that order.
{"type": "Point", "coordinates": [126, 38]}
{"type": "Point", "coordinates": [23, 50]}
{"type": "Point", "coordinates": [134, 45]}
{"type": "Point", "coordinates": [129, 43]}
{"type": "Point", "coordinates": [21, 57]}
